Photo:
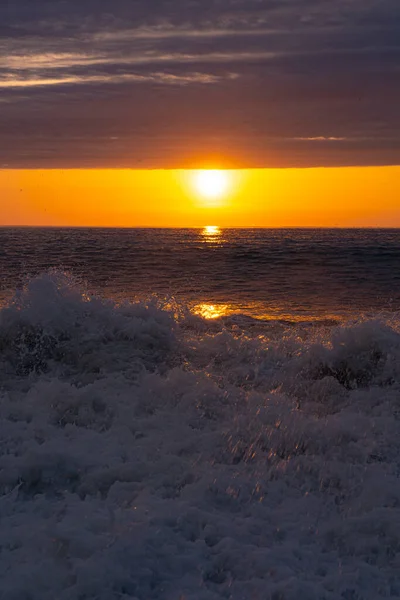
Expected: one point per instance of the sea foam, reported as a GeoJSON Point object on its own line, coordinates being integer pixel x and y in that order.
{"type": "Point", "coordinates": [147, 453]}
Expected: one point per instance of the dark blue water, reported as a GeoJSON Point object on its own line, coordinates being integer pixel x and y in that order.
{"type": "Point", "coordinates": [260, 272]}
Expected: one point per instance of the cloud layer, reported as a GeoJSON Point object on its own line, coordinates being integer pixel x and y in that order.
{"type": "Point", "coordinates": [154, 83]}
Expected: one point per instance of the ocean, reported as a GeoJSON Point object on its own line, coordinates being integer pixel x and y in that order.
{"type": "Point", "coordinates": [296, 274]}
{"type": "Point", "coordinates": [199, 414]}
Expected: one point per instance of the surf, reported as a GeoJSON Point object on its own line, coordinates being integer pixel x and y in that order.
{"type": "Point", "coordinates": [147, 452]}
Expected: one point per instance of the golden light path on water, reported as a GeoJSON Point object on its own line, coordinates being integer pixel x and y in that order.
{"type": "Point", "coordinates": [213, 311]}
{"type": "Point", "coordinates": [258, 312]}
{"type": "Point", "coordinates": [212, 234]}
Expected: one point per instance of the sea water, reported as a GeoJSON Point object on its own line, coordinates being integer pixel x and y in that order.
{"type": "Point", "coordinates": [298, 274]}
{"type": "Point", "coordinates": [199, 414]}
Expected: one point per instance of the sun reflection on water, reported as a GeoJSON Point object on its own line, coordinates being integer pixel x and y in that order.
{"type": "Point", "coordinates": [212, 311]}
{"type": "Point", "coordinates": [211, 233]}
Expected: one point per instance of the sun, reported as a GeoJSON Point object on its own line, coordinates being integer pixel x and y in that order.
{"type": "Point", "coordinates": [211, 184]}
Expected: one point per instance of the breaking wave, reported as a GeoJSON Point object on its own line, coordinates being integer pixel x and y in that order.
{"type": "Point", "coordinates": [147, 453]}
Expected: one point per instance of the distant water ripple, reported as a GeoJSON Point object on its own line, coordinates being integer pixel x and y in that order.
{"type": "Point", "coordinates": [298, 274]}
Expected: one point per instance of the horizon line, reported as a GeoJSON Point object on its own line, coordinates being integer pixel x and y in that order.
{"type": "Point", "coordinates": [299, 227]}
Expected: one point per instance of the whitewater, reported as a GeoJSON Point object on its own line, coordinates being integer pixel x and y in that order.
{"type": "Point", "coordinates": [148, 453]}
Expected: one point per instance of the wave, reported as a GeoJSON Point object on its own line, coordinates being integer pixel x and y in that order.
{"type": "Point", "coordinates": [148, 453]}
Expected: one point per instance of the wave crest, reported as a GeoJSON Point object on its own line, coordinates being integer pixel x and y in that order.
{"type": "Point", "coordinates": [53, 320]}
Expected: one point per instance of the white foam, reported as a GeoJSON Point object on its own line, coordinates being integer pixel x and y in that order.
{"type": "Point", "coordinates": [148, 454]}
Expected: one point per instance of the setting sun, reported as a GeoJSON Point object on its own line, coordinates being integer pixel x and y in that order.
{"type": "Point", "coordinates": [211, 184]}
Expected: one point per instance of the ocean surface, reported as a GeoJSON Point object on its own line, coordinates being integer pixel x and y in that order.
{"type": "Point", "coordinates": [264, 273]}
{"type": "Point", "coordinates": [199, 414]}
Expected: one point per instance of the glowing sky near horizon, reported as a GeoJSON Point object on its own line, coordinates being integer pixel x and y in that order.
{"type": "Point", "coordinates": [334, 197]}
{"type": "Point", "coordinates": [92, 94]}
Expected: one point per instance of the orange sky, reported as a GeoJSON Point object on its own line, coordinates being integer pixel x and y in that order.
{"type": "Point", "coordinates": [320, 197]}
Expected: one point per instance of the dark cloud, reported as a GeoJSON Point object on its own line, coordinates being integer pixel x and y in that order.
{"type": "Point", "coordinates": [166, 83]}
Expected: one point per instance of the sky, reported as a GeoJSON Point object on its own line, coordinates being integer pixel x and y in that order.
{"type": "Point", "coordinates": [311, 197]}
{"type": "Point", "coordinates": [176, 84]}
